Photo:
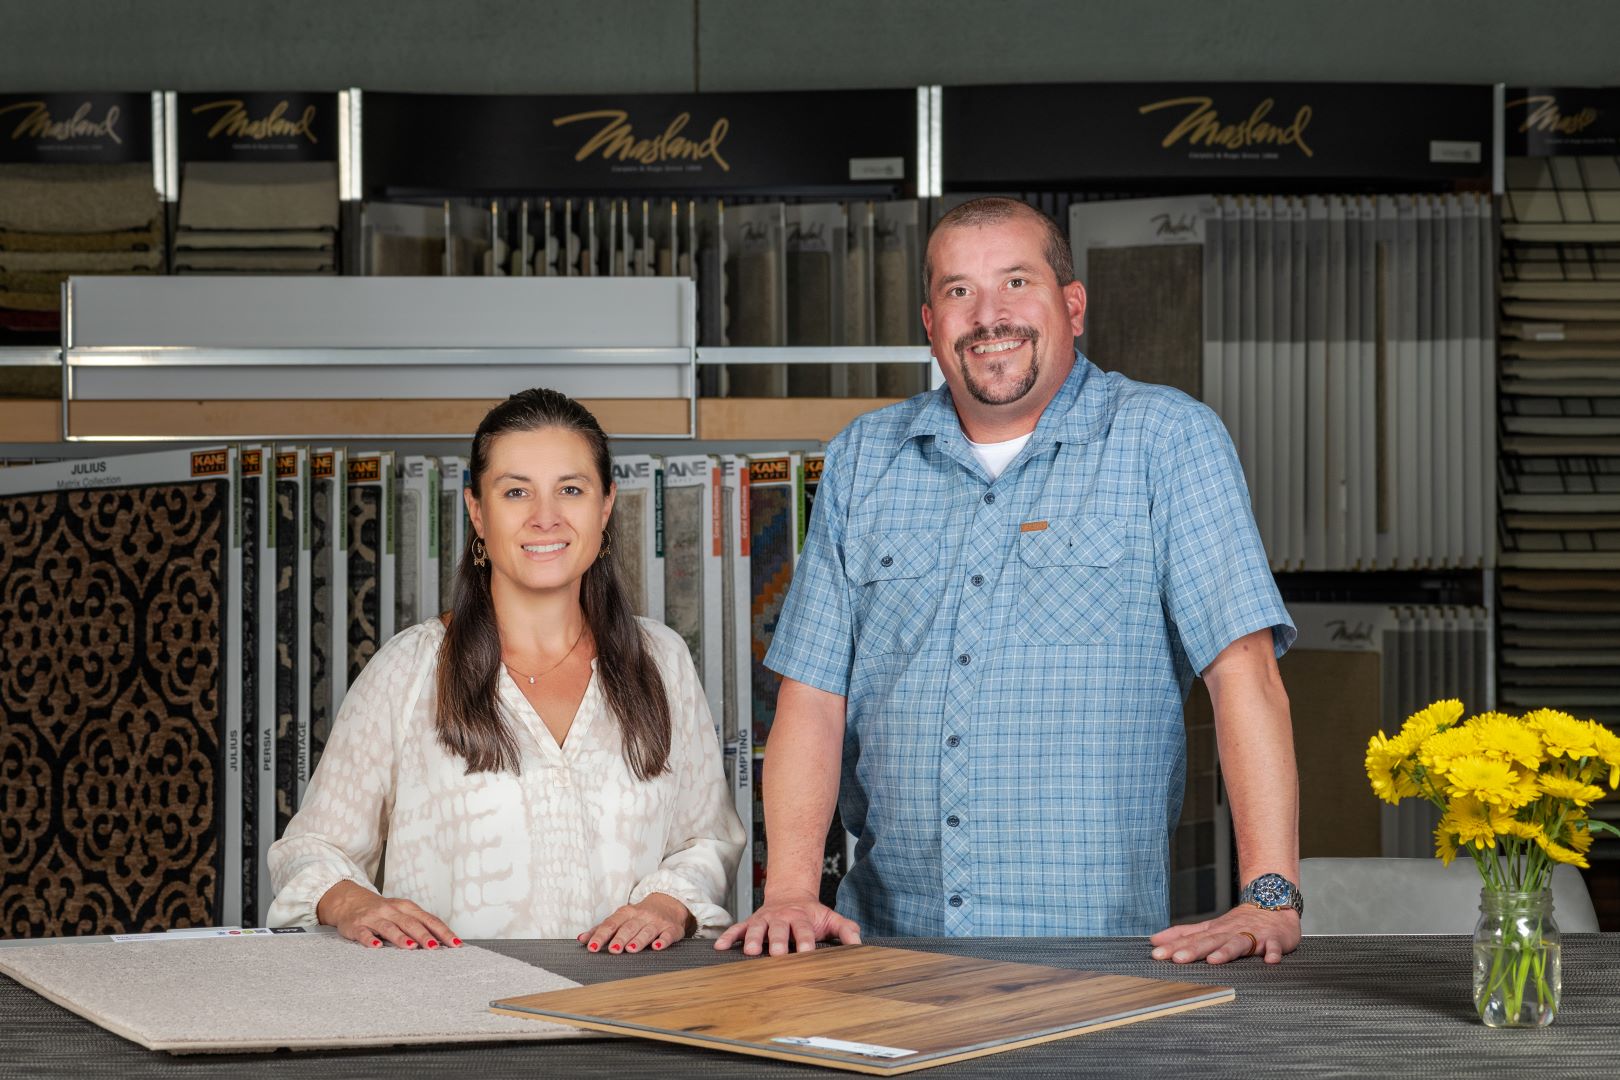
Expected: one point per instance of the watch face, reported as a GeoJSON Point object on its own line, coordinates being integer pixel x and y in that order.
{"type": "Point", "coordinates": [1272, 891]}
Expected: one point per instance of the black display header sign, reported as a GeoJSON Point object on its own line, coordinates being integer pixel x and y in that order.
{"type": "Point", "coordinates": [1204, 133]}
{"type": "Point", "coordinates": [257, 126]}
{"type": "Point", "coordinates": [689, 143]}
{"type": "Point", "coordinates": [83, 129]}
{"type": "Point", "coordinates": [1550, 122]}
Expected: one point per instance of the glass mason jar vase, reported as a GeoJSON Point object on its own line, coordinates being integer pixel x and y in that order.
{"type": "Point", "coordinates": [1516, 959]}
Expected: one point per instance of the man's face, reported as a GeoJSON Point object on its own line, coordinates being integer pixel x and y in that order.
{"type": "Point", "coordinates": [1001, 326]}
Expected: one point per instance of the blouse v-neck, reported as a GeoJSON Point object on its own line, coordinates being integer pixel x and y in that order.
{"type": "Point", "coordinates": [543, 735]}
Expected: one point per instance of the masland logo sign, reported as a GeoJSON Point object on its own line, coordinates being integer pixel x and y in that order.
{"type": "Point", "coordinates": [615, 140]}
{"type": "Point", "coordinates": [38, 123]}
{"type": "Point", "coordinates": [235, 123]}
{"type": "Point", "coordinates": [1201, 125]}
{"type": "Point", "coordinates": [1542, 114]}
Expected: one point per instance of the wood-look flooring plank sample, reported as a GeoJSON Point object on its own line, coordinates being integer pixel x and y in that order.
{"type": "Point", "coordinates": [864, 1008]}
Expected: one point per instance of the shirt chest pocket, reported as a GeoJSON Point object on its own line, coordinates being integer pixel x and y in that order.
{"type": "Point", "coordinates": [1070, 588]}
{"type": "Point", "coordinates": [897, 589]}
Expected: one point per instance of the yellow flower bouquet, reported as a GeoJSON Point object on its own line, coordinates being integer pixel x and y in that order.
{"type": "Point", "coordinates": [1514, 793]}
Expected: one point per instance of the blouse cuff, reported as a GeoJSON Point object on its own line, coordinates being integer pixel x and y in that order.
{"type": "Point", "coordinates": [712, 919]}
{"type": "Point", "coordinates": [295, 904]}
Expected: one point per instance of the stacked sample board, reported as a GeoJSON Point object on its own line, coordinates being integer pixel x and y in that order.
{"type": "Point", "coordinates": [1559, 600]}
{"type": "Point", "coordinates": [1345, 341]}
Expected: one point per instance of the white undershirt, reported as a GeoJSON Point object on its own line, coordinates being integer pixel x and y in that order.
{"type": "Point", "coordinates": [996, 456]}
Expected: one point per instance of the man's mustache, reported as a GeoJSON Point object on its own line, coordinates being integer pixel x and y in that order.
{"type": "Point", "coordinates": [994, 333]}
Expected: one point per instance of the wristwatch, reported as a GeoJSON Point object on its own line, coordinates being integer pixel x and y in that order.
{"type": "Point", "coordinates": [1273, 892]}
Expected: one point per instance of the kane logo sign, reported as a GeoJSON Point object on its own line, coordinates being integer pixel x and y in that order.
{"type": "Point", "coordinates": [235, 123]}
{"type": "Point", "coordinates": [37, 123]}
{"type": "Point", "coordinates": [812, 470]}
{"type": "Point", "coordinates": [286, 466]}
{"type": "Point", "coordinates": [765, 472]}
{"type": "Point", "coordinates": [1541, 113]}
{"type": "Point", "coordinates": [364, 470]}
{"type": "Point", "coordinates": [1202, 126]}
{"type": "Point", "coordinates": [210, 463]}
{"type": "Point", "coordinates": [321, 465]}
{"type": "Point", "coordinates": [615, 140]}
{"type": "Point", "coordinates": [252, 462]}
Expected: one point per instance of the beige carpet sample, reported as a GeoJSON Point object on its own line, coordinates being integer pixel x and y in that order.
{"type": "Point", "coordinates": [268, 992]}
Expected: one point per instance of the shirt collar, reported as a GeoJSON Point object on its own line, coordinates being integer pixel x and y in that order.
{"type": "Point", "coordinates": [1077, 413]}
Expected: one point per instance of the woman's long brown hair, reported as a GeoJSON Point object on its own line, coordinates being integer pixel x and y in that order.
{"type": "Point", "coordinates": [469, 716]}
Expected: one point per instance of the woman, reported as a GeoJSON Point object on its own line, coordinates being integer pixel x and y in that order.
{"type": "Point", "coordinates": [540, 762]}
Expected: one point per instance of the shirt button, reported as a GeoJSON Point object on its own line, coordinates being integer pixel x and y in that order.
{"type": "Point", "coordinates": [977, 579]}
{"type": "Point", "coordinates": [964, 659]}
{"type": "Point", "coordinates": [989, 496]}
{"type": "Point", "coordinates": [887, 560]}
{"type": "Point", "coordinates": [953, 821]}
{"type": "Point", "coordinates": [953, 741]}
{"type": "Point", "coordinates": [956, 901]}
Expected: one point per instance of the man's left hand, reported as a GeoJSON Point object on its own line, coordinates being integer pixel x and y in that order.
{"type": "Point", "coordinates": [1227, 938]}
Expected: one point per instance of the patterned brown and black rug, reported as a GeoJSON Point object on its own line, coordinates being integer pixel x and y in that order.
{"type": "Point", "coordinates": [111, 692]}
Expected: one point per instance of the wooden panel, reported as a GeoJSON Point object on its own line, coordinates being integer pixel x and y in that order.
{"type": "Point", "coordinates": [25, 421]}
{"type": "Point", "coordinates": [766, 419]}
{"type": "Point", "coordinates": [938, 1008]}
{"type": "Point", "coordinates": [235, 419]}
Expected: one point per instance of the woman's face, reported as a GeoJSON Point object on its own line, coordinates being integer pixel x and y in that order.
{"type": "Point", "coordinates": [540, 508]}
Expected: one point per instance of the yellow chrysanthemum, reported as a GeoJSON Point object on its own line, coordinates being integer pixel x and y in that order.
{"type": "Point", "coordinates": [1436, 717]}
{"type": "Point", "coordinates": [1580, 838]}
{"type": "Point", "coordinates": [1559, 853]}
{"type": "Point", "coordinates": [1503, 823]}
{"type": "Point", "coordinates": [1388, 765]}
{"type": "Point", "coordinates": [1443, 749]}
{"type": "Point", "coordinates": [1445, 844]}
{"type": "Point", "coordinates": [1492, 782]}
{"type": "Point", "coordinates": [1507, 738]}
{"type": "Point", "coordinates": [1562, 734]}
{"type": "Point", "coordinates": [1608, 750]}
{"type": "Point", "coordinates": [1568, 787]}
{"type": "Point", "coordinates": [1468, 819]}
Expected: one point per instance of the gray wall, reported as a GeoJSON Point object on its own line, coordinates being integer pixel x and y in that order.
{"type": "Point", "coordinates": [567, 46]}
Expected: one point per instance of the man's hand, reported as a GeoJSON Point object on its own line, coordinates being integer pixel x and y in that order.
{"type": "Point", "coordinates": [785, 920]}
{"type": "Point", "coordinates": [1226, 938]}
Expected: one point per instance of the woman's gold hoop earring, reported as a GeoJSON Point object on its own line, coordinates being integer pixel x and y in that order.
{"type": "Point", "coordinates": [607, 546]}
{"type": "Point", "coordinates": [480, 552]}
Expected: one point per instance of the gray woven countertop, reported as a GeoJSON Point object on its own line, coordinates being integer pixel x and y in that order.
{"type": "Point", "coordinates": [1337, 1007]}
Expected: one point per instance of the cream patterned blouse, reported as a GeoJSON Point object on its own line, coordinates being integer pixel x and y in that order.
{"type": "Point", "coordinates": [547, 853]}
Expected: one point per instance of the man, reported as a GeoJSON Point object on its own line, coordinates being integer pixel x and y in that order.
{"type": "Point", "coordinates": [1007, 587]}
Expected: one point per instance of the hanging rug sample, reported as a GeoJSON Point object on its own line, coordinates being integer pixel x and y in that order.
{"type": "Point", "coordinates": [111, 607]}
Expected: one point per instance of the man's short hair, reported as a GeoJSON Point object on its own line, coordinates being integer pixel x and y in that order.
{"type": "Point", "coordinates": [993, 210]}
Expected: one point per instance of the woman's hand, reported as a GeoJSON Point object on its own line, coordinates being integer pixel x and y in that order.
{"type": "Point", "coordinates": [657, 922]}
{"type": "Point", "coordinates": [364, 917]}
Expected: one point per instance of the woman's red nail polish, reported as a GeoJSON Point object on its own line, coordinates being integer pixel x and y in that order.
{"type": "Point", "coordinates": [632, 948]}
{"type": "Point", "coordinates": [375, 943]}
{"type": "Point", "coordinates": [658, 945]}
{"type": "Point", "coordinates": [594, 947]}
{"type": "Point", "coordinates": [614, 948]}
{"type": "Point", "coordinates": [409, 944]}
{"type": "Point", "coordinates": [455, 941]}
{"type": "Point", "coordinates": [432, 944]}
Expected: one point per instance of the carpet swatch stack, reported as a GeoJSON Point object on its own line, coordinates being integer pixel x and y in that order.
{"type": "Point", "coordinates": [249, 218]}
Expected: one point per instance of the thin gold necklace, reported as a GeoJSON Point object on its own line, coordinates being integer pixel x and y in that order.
{"type": "Point", "coordinates": [553, 667]}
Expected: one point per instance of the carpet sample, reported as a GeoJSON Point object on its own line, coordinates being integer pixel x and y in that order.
{"type": "Point", "coordinates": [267, 992]}
{"type": "Point", "coordinates": [729, 629]}
{"type": "Point", "coordinates": [408, 556]}
{"type": "Point", "coordinates": [248, 195]}
{"type": "Point", "coordinates": [288, 655]}
{"type": "Point", "coordinates": [78, 198]}
{"type": "Point", "coordinates": [251, 556]}
{"type": "Point", "coordinates": [770, 573]}
{"type": "Point", "coordinates": [323, 667]}
{"type": "Point", "coordinates": [80, 262]}
{"type": "Point", "coordinates": [684, 537]}
{"type": "Point", "coordinates": [112, 694]}
{"type": "Point", "coordinates": [149, 238]}
{"type": "Point", "coordinates": [291, 262]}
{"type": "Point", "coordinates": [1146, 313]}
{"type": "Point", "coordinates": [630, 511]}
{"type": "Point", "coordinates": [365, 557]}
{"type": "Point", "coordinates": [252, 239]}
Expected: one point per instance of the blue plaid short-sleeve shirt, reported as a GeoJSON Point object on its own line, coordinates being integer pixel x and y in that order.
{"type": "Point", "coordinates": [1015, 653]}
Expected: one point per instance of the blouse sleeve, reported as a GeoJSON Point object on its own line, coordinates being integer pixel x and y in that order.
{"type": "Point", "coordinates": [341, 825]}
{"type": "Point", "coordinates": [705, 835]}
